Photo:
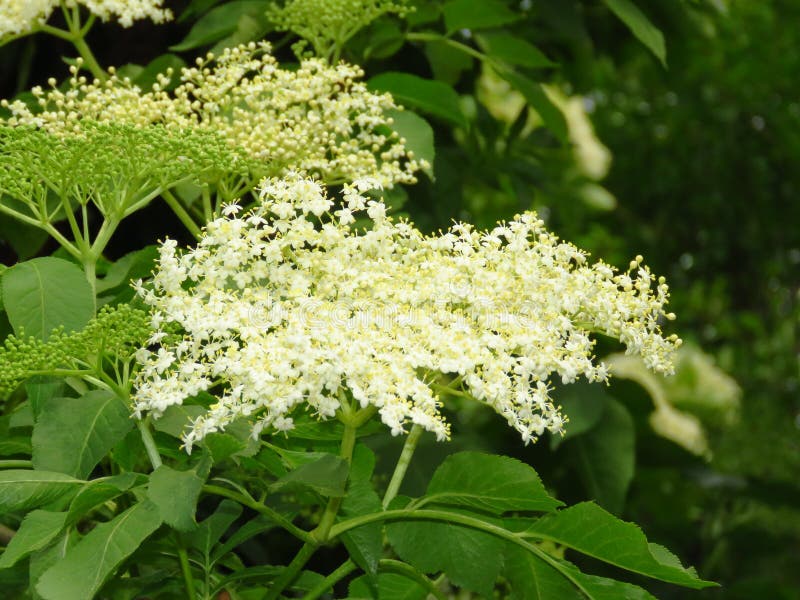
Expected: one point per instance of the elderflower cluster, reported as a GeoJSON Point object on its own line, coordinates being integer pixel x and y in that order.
{"type": "Point", "coordinates": [21, 16]}
{"type": "Point", "coordinates": [327, 24]}
{"type": "Point", "coordinates": [287, 306]}
{"type": "Point", "coordinates": [317, 118]}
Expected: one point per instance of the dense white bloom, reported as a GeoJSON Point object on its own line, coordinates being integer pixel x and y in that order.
{"type": "Point", "coordinates": [317, 118]}
{"type": "Point", "coordinates": [277, 309]}
{"type": "Point", "coordinates": [20, 16]}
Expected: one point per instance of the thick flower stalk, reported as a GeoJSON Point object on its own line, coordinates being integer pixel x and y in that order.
{"type": "Point", "coordinates": [22, 16]}
{"type": "Point", "coordinates": [317, 118]}
{"type": "Point", "coordinates": [288, 308]}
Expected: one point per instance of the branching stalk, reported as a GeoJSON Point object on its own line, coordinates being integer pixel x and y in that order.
{"type": "Point", "coordinates": [402, 465]}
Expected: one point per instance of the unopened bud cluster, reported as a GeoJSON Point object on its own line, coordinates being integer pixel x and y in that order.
{"type": "Point", "coordinates": [115, 332]}
{"type": "Point", "coordinates": [317, 118]}
{"type": "Point", "coordinates": [327, 24]}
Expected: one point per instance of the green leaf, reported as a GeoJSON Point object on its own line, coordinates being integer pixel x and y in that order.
{"type": "Point", "coordinates": [640, 26]}
{"type": "Point", "coordinates": [606, 456]}
{"type": "Point", "coordinates": [94, 559]}
{"type": "Point", "coordinates": [382, 39]}
{"type": "Point", "coordinates": [255, 526]}
{"type": "Point", "coordinates": [145, 80]}
{"type": "Point", "coordinates": [363, 464]}
{"type": "Point", "coordinates": [602, 588]}
{"type": "Point", "coordinates": [447, 62]}
{"type": "Point", "coordinates": [131, 266]}
{"type": "Point", "coordinates": [15, 445]}
{"type": "Point", "coordinates": [99, 491]}
{"type": "Point", "coordinates": [176, 419]}
{"type": "Point", "coordinates": [365, 544]}
{"type": "Point", "coordinates": [391, 586]}
{"type": "Point", "coordinates": [24, 490]}
{"type": "Point", "coordinates": [41, 560]}
{"type": "Point", "coordinates": [37, 530]}
{"type": "Point", "coordinates": [417, 133]}
{"type": "Point", "coordinates": [176, 493]}
{"type": "Point", "coordinates": [513, 50]}
{"type": "Point", "coordinates": [471, 559]}
{"type": "Point", "coordinates": [22, 416]}
{"type": "Point", "coordinates": [327, 475]}
{"type": "Point", "coordinates": [196, 7]}
{"type": "Point", "coordinates": [537, 98]}
{"type": "Point", "coordinates": [307, 427]}
{"type": "Point", "coordinates": [222, 446]}
{"type": "Point", "coordinates": [589, 529]}
{"type": "Point", "coordinates": [45, 293]}
{"type": "Point", "coordinates": [210, 530]}
{"type": "Point", "coordinates": [532, 578]}
{"type": "Point", "coordinates": [477, 14]}
{"type": "Point", "coordinates": [432, 97]}
{"type": "Point", "coordinates": [423, 12]}
{"type": "Point", "coordinates": [259, 575]}
{"type": "Point", "coordinates": [72, 435]}
{"type": "Point", "coordinates": [26, 240]}
{"type": "Point", "coordinates": [490, 483]}
{"type": "Point", "coordinates": [584, 404]}
{"type": "Point", "coordinates": [220, 22]}
{"type": "Point", "coordinates": [40, 389]}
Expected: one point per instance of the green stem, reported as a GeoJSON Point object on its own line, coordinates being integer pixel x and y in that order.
{"type": "Point", "coordinates": [289, 574]}
{"type": "Point", "coordinates": [54, 31]}
{"type": "Point", "coordinates": [450, 517]}
{"type": "Point", "coordinates": [88, 58]}
{"type": "Point", "coordinates": [149, 442]}
{"type": "Point", "coordinates": [186, 570]}
{"type": "Point", "coordinates": [20, 216]}
{"type": "Point", "coordinates": [107, 230]}
{"type": "Point", "coordinates": [322, 532]}
{"type": "Point", "coordinates": [90, 270]}
{"type": "Point", "coordinates": [208, 212]}
{"type": "Point", "coordinates": [352, 420]}
{"type": "Point", "coordinates": [181, 213]}
{"type": "Point", "coordinates": [16, 464]}
{"type": "Point", "coordinates": [60, 372]}
{"type": "Point", "coordinates": [77, 35]}
{"type": "Point", "coordinates": [435, 37]}
{"type": "Point", "coordinates": [263, 509]}
{"type": "Point", "coordinates": [402, 465]}
{"type": "Point", "coordinates": [326, 584]}
{"type": "Point", "coordinates": [401, 568]}
{"type": "Point", "coordinates": [452, 391]}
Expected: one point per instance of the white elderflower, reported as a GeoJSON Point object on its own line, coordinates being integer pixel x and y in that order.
{"type": "Point", "coordinates": [287, 308]}
{"type": "Point", "coordinates": [21, 16]}
{"type": "Point", "coordinates": [310, 119]}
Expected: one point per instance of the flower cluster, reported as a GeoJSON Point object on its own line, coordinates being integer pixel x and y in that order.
{"type": "Point", "coordinates": [289, 306]}
{"type": "Point", "coordinates": [21, 16]}
{"type": "Point", "coordinates": [317, 118]}
{"type": "Point", "coordinates": [116, 167]}
{"type": "Point", "coordinates": [328, 24]}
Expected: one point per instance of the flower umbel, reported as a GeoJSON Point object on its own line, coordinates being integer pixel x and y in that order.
{"type": "Point", "coordinates": [328, 24]}
{"type": "Point", "coordinates": [20, 16]}
{"type": "Point", "coordinates": [317, 118]}
{"type": "Point", "coordinates": [287, 306]}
